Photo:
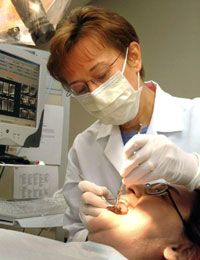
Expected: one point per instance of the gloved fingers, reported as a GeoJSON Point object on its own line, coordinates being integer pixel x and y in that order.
{"type": "Point", "coordinates": [137, 141]}
{"type": "Point", "coordinates": [91, 211]}
{"type": "Point", "coordinates": [111, 200]}
{"type": "Point", "coordinates": [85, 186]}
{"type": "Point", "coordinates": [142, 174]}
{"type": "Point", "coordinates": [135, 160]}
{"type": "Point", "coordinates": [94, 200]}
{"type": "Point", "coordinates": [150, 177]}
{"type": "Point", "coordinates": [128, 167]}
{"type": "Point", "coordinates": [106, 193]}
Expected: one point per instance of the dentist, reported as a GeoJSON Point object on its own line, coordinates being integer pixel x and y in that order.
{"type": "Point", "coordinates": [96, 55]}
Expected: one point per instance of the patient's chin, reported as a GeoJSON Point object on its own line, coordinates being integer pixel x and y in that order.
{"type": "Point", "coordinates": [105, 221]}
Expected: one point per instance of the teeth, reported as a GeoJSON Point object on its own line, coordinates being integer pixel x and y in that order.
{"type": "Point", "coordinates": [123, 206]}
{"type": "Point", "coordinates": [109, 205]}
{"type": "Point", "coordinates": [123, 202]}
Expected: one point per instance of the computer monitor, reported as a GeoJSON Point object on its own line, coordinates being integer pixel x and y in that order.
{"type": "Point", "coordinates": [22, 96]}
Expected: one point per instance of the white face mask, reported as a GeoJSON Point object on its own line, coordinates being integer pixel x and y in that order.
{"type": "Point", "coordinates": [115, 101]}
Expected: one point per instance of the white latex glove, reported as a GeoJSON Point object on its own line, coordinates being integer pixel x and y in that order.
{"type": "Point", "coordinates": [158, 158]}
{"type": "Point", "coordinates": [94, 199]}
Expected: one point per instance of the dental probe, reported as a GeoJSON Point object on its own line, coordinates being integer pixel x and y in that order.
{"type": "Point", "coordinates": [122, 182]}
{"type": "Point", "coordinates": [120, 192]}
{"type": "Point", "coordinates": [140, 129]}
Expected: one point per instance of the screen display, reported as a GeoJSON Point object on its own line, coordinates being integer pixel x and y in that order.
{"type": "Point", "coordinates": [19, 79]}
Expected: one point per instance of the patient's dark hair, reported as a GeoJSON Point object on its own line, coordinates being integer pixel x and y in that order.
{"type": "Point", "coordinates": [192, 226]}
{"type": "Point", "coordinates": [191, 251]}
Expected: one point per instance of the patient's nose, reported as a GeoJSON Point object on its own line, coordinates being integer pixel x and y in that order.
{"type": "Point", "coordinates": [137, 189]}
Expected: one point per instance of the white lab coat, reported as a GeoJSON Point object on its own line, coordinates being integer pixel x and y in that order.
{"type": "Point", "coordinates": [97, 153]}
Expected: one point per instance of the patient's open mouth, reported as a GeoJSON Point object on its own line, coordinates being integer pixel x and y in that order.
{"type": "Point", "coordinates": [115, 210]}
{"type": "Point", "coordinates": [120, 209]}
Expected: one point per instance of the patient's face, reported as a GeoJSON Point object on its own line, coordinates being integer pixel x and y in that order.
{"type": "Point", "coordinates": [150, 225]}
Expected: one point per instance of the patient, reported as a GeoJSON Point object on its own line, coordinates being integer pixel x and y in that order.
{"type": "Point", "coordinates": [162, 223]}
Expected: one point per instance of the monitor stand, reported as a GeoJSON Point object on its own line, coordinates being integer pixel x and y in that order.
{"type": "Point", "coordinates": [6, 158]}
{"type": "Point", "coordinates": [2, 149]}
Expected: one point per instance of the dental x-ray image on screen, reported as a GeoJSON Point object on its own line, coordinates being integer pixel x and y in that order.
{"type": "Point", "coordinates": [22, 95]}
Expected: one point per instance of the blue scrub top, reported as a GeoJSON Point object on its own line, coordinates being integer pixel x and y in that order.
{"type": "Point", "coordinates": [128, 136]}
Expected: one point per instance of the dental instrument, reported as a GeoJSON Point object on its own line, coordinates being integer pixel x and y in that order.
{"type": "Point", "coordinates": [117, 206]}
